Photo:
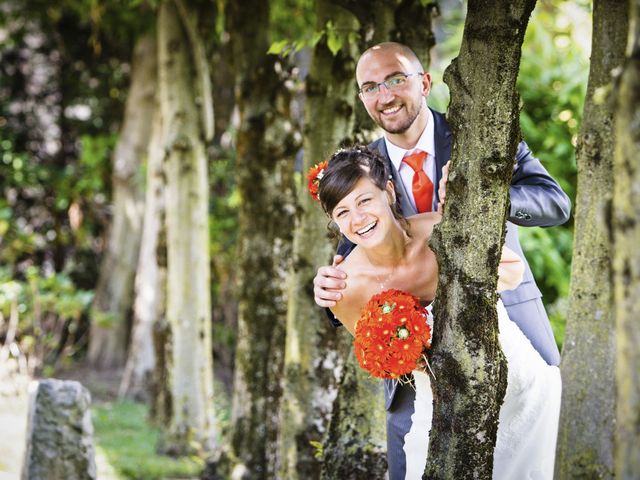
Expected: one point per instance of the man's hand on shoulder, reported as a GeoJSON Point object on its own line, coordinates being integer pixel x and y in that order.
{"type": "Point", "coordinates": [328, 283]}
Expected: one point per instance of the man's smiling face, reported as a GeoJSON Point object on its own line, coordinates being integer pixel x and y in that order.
{"type": "Point", "coordinates": [393, 110]}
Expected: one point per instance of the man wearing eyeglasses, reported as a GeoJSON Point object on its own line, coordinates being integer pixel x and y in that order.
{"type": "Point", "coordinates": [393, 88]}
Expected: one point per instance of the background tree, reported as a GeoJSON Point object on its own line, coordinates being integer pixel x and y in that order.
{"type": "Point", "coordinates": [484, 105]}
{"type": "Point", "coordinates": [265, 151]}
{"type": "Point", "coordinates": [149, 303]}
{"type": "Point", "coordinates": [355, 444]}
{"type": "Point", "coordinates": [585, 437]}
{"type": "Point", "coordinates": [187, 124]}
{"type": "Point", "coordinates": [626, 237]}
{"type": "Point", "coordinates": [314, 352]}
{"type": "Point", "coordinates": [113, 299]}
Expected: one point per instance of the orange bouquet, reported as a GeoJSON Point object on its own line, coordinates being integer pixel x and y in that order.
{"type": "Point", "coordinates": [392, 334]}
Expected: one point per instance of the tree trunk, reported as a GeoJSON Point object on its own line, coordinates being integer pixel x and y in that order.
{"type": "Point", "coordinates": [266, 148]}
{"type": "Point", "coordinates": [149, 303]}
{"type": "Point", "coordinates": [114, 293]}
{"type": "Point", "coordinates": [585, 437]}
{"type": "Point", "coordinates": [466, 355]}
{"type": "Point", "coordinates": [185, 128]}
{"type": "Point", "coordinates": [315, 352]}
{"type": "Point", "coordinates": [626, 256]}
{"type": "Point", "coordinates": [355, 441]}
{"type": "Point", "coordinates": [355, 445]}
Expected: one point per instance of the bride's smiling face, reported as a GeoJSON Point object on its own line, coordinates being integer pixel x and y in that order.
{"type": "Point", "coordinates": [364, 215]}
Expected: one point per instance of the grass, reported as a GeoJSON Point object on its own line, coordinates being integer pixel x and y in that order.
{"type": "Point", "coordinates": [125, 446]}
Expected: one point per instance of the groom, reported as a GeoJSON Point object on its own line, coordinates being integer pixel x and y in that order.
{"type": "Point", "coordinates": [393, 88]}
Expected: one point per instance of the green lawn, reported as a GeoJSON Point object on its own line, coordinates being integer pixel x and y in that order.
{"type": "Point", "coordinates": [125, 446]}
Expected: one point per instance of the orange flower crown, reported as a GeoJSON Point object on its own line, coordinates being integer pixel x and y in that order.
{"type": "Point", "coordinates": [314, 175]}
{"type": "Point", "coordinates": [392, 334]}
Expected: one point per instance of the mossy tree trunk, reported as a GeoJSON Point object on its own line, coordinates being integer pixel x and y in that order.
{"type": "Point", "coordinates": [111, 310]}
{"type": "Point", "coordinates": [266, 147]}
{"type": "Point", "coordinates": [355, 445]}
{"type": "Point", "coordinates": [315, 351]}
{"type": "Point", "coordinates": [626, 256]}
{"type": "Point", "coordinates": [466, 357]}
{"type": "Point", "coordinates": [585, 437]}
{"type": "Point", "coordinates": [187, 124]}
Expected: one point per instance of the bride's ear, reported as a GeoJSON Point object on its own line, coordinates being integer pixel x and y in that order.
{"type": "Point", "coordinates": [391, 192]}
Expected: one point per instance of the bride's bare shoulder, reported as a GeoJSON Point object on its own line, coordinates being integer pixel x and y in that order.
{"type": "Point", "coordinates": [423, 223]}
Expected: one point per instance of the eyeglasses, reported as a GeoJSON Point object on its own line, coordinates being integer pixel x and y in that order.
{"type": "Point", "coordinates": [370, 90]}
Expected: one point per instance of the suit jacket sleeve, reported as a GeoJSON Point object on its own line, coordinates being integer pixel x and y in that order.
{"type": "Point", "coordinates": [536, 198]}
{"type": "Point", "coordinates": [344, 249]}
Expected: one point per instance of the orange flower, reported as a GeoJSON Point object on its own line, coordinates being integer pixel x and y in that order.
{"type": "Point", "coordinates": [314, 175]}
{"type": "Point", "coordinates": [391, 334]}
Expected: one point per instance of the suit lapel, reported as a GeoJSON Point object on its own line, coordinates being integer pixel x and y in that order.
{"type": "Point", "coordinates": [405, 205]}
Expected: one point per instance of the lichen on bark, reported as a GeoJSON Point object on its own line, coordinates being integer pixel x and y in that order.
{"type": "Point", "coordinates": [466, 357]}
{"type": "Point", "coordinates": [626, 256]}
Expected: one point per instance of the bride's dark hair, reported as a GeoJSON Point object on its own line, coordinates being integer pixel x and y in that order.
{"type": "Point", "coordinates": [345, 168]}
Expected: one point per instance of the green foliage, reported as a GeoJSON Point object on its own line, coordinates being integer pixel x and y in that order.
{"type": "Point", "coordinates": [224, 201]}
{"type": "Point", "coordinates": [335, 38]}
{"type": "Point", "coordinates": [76, 192]}
{"type": "Point", "coordinates": [548, 252]}
{"type": "Point", "coordinates": [552, 84]}
{"type": "Point", "coordinates": [292, 19]}
{"type": "Point", "coordinates": [119, 20]}
{"type": "Point", "coordinates": [48, 309]}
{"type": "Point", "coordinates": [318, 449]}
{"type": "Point", "coordinates": [293, 27]}
{"type": "Point", "coordinates": [128, 442]}
{"type": "Point", "coordinates": [60, 105]}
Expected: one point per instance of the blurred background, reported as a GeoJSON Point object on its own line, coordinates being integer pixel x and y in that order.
{"type": "Point", "coordinates": [76, 174]}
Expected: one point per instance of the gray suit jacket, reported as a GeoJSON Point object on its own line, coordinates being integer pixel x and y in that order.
{"type": "Point", "coordinates": [536, 200]}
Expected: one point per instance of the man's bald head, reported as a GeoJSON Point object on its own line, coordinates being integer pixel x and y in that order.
{"type": "Point", "coordinates": [397, 50]}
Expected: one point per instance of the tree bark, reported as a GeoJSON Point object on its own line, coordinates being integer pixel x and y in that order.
{"type": "Point", "coordinates": [110, 314]}
{"type": "Point", "coordinates": [626, 256]}
{"type": "Point", "coordinates": [186, 127]}
{"type": "Point", "coordinates": [265, 149]}
{"type": "Point", "coordinates": [585, 437]}
{"type": "Point", "coordinates": [315, 352]}
{"type": "Point", "coordinates": [466, 356]}
{"type": "Point", "coordinates": [355, 445]}
{"type": "Point", "coordinates": [149, 303]}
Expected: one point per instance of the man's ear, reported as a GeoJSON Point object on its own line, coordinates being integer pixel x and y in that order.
{"type": "Point", "coordinates": [426, 84]}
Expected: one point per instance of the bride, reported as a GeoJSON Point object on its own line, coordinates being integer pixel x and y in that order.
{"type": "Point", "coordinates": [393, 252]}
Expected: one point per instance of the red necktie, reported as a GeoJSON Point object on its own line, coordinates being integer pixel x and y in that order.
{"type": "Point", "coordinates": [421, 186]}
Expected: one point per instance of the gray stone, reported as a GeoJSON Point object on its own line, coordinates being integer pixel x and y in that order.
{"type": "Point", "coordinates": [59, 432]}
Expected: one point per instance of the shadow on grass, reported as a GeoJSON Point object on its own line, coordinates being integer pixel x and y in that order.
{"type": "Point", "coordinates": [128, 443]}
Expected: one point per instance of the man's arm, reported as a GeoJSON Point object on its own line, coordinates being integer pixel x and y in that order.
{"type": "Point", "coordinates": [537, 200]}
{"type": "Point", "coordinates": [330, 281]}
{"type": "Point", "coordinates": [510, 270]}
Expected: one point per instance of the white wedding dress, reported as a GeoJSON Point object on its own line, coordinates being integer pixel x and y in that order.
{"type": "Point", "coordinates": [528, 422]}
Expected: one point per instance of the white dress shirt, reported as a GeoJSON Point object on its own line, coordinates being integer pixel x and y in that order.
{"type": "Point", "coordinates": [426, 143]}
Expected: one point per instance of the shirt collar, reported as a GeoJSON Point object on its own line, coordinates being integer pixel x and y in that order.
{"type": "Point", "coordinates": [425, 143]}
